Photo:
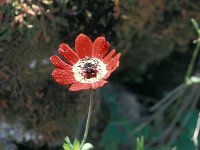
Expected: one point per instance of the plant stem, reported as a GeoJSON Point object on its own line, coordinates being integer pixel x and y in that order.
{"type": "Point", "coordinates": [88, 119]}
{"type": "Point", "coordinates": [196, 133]}
{"type": "Point", "coordinates": [195, 53]}
{"type": "Point", "coordinates": [191, 65]}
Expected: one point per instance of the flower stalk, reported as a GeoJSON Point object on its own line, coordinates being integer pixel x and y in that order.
{"type": "Point", "coordinates": [88, 118]}
{"type": "Point", "coordinates": [195, 53]}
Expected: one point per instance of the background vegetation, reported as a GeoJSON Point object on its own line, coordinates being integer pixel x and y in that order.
{"type": "Point", "coordinates": [155, 39]}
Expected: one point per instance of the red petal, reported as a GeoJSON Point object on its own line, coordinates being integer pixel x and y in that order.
{"type": "Point", "coordinates": [100, 47]}
{"type": "Point", "coordinates": [57, 62]}
{"type": "Point", "coordinates": [108, 57]}
{"type": "Point", "coordinates": [80, 86]}
{"type": "Point", "coordinates": [115, 67]}
{"type": "Point", "coordinates": [68, 53]}
{"type": "Point", "coordinates": [98, 84]}
{"type": "Point", "coordinates": [113, 62]}
{"type": "Point", "coordinates": [83, 46]}
{"type": "Point", "coordinates": [111, 71]}
{"type": "Point", "coordinates": [63, 77]}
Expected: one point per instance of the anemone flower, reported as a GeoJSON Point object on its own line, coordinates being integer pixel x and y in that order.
{"type": "Point", "coordinates": [86, 68]}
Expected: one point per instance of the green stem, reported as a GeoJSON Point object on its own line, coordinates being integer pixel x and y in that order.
{"type": "Point", "coordinates": [195, 53]}
{"type": "Point", "coordinates": [191, 65]}
{"type": "Point", "coordinates": [88, 119]}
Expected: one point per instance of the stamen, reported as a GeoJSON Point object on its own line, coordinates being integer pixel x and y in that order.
{"type": "Point", "coordinates": [90, 70]}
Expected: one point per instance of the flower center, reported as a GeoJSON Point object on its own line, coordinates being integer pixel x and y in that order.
{"type": "Point", "coordinates": [89, 70]}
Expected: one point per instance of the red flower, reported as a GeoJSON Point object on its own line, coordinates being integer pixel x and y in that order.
{"type": "Point", "coordinates": [88, 67]}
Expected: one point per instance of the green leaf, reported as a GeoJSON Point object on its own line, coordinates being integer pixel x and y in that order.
{"type": "Point", "coordinates": [66, 146]}
{"type": "Point", "coordinates": [76, 145]}
{"type": "Point", "coordinates": [67, 140]}
{"type": "Point", "coordinates": [87, 146]}
{"type": "Point", "coordinates": [140, 143]}
{"type": "Point", "coordinates": [195, 24]}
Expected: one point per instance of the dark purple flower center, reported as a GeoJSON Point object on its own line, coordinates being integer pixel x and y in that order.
{"type": "Point", "coordinates": [90, 70]}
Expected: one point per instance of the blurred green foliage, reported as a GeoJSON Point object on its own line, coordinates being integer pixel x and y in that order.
{"type": "Point", "coordinates": [163, 129]}
{"type": "Point", "coordinates": [155, 38]}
